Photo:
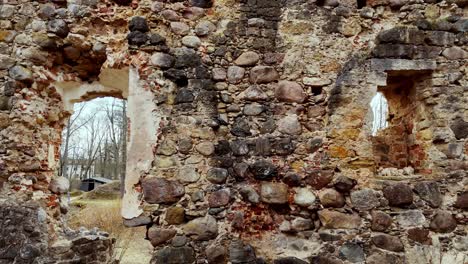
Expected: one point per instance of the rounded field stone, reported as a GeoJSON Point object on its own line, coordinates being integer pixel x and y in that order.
{"type": "Point", "coordinates": [219, 198]}
{"type": "Point", "coordinates": [184, 96]}
{"type": "Point", "coordinates": [137, 38]}
{"type": "Point", "coordinates": [462, 200]}
{"type": "Point", "coordinates": [159, 190]}
{"type": "Point", "coordinates": [217, 175]}
{"type": "Point", "coordinates": [156, 39]}
{"type": "Point", "coordinates": [219, 74]}
{"type": "Point", "coordinates": [337, 220]}
{"type": "Point", "coordinates": [254, 93]}
{"type": "Point", "coordinates": [204, 28]}
{"type": "Point", "coordinates": [188, 174]}
{"type": "Point", "coordinates": [331, 198]}
{"type": "Point", "coordinates": [191, 41]}
{"type": "Point", "coordinates": [170, 15]}
{"type": "Point", "coordinates": [240, 253]}
{"type": "Point", "coordinates": [263, 74]}
{"type": "Point", "coordinates": [239, 147]}
{"type": "Point", "coordinates": [455, 53]}
{"type": "Point", "coordinates": [429, 192]}
{"type": "Point", "coordinates": [248, 58]}
{"type": "Point", "coordinates": [344, 184]}
{"type": "Point", "coordinates": [288, 91]}
{"type": "Point", "coordinates": [274, 193]}
{"type": "Point", "coordinates": [304, 197]}
{"type": "Point", "coordinates": [263, 170]}
{"type": "Point", "coordinates": [253, 109]}
{"type": "Point", "coordinates": [380, 221]}
{"type": "Point", "coordinates": [173, 255]}
{"type": "Point", "coordinates": [158, 236]}
{"type": "Point", "coordinates": [20, 73]}
{"type": "Point", "coordinates": [205, 148]}
{"type": "Point", "coordinates": [235, 74]}
{"type": "Point", "coordinates": [241, 127]}
{"type": "Point", "coordinates": [180, 28]}
{"type": "Point", "coordinates": [138, 24]}
{"type": "Point", "coordinates": [162, 60]}
{"type": "Point", "coordinates": [352, 252]}
{"type": "Point", "coordinates": [216, 254]}
{"type": "Point", "coordinates": [249, 193]}
{"type": "Point", "coordinates": [365, 199]}
{"type": "Point", "coordinates": [443, 222]}
{"type": "Point", "coordinates": [59, 27]}
{"type": "Point", "coordinates": [202, 3]}
{"type": "Point", "coordinates": [388, 242]}
{"type": "Point", "coordinates": [420, 235]}
{"type": "Point", "coordinates": [409, 218]}
{"type": "Point", "coordinates": [398, 194]}
{"type": "Point", "coordinates": [203, 228]}
{"type": "Point", "coordinates": [290, 125]}
{"type": "Point", "coordinates": [59, 185]}
{"type": "Point", "coordinates": [175, 215]}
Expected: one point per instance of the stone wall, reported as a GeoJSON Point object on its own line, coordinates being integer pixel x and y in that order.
{"type": "Point", "coordinates": [25, 237]}
{"type": "Point", "coordinates": [251, 128]}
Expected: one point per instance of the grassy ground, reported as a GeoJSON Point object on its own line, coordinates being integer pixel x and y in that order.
{"type": "Point", "coordinates": [131, 247]}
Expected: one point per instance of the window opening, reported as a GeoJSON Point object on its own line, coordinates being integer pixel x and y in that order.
{"type": "Point", "coordinates": [94, 143]}
{"type": "Point", "coordinates": [396, 110]}
{"type": "Point", "coordinates": [379, 106]}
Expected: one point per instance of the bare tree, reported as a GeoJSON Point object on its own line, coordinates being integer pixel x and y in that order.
{"type": "Point", "coordinates": [95, 133]}
{"type": "Point", "coordinates": [124, 148]}
{"type": "Point", "coordinates": [74, 124]}
{"type": "Point", "coordinates": [112, 115]}
{"type": "Point", "coordinates": [95, 141]}
{"type": "Point", "coordinates": [117, 127]}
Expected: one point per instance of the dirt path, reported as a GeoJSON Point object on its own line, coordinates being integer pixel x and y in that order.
{"type": "Point", "coordinates": [134, 249]}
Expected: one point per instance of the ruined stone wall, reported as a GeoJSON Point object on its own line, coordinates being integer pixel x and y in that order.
{"type": "Point", "coordinates": [250, 129]}
{"type": "Point", "coordinates": [24, 238]}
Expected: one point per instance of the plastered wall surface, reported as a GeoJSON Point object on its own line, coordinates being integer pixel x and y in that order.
{"type": "Point", "coordinates": [249, 127]}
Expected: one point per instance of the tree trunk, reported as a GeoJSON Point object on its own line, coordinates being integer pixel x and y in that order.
{"type": "Point", "coordinates": [124, 149]}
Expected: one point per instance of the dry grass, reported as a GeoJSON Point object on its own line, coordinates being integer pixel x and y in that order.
{"type": "Point", "coordinates": [103, 214]}
{"type": "Point", "coordinates": [76, 193]}
{"type": "Point", "coordinates": [130, 247]}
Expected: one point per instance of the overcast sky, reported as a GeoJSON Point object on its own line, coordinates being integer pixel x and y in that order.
{"type": "Point", "coordinates": [379, 107]}
{"type": "Point", "coordinates": [93, 105]}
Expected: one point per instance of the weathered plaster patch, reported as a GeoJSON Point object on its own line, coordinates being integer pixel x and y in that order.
{"type": "Point", "coordinates": [144, 124]}
{"type": "Point", "coordinates": [51, 156]}
{"type": "Point", "coordinates": [112, 82]}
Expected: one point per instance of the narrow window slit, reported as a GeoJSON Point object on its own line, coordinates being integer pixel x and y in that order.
{"type": "Point", "coordinates": [379, 107]}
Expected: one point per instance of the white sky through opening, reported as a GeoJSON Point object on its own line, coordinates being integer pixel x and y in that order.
{"type": "Point", "coordinates": [93, 108]}
{"type": "Point", "coordinates": [379, 106]}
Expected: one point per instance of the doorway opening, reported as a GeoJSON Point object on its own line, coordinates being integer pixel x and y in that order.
{"type": "Point", "coordinates": [118, 130]}
{"type": "Point", "coordinates": [94, 157]}
{"type": "Point", "coordinates": [94, 143]}
{"type": "Point", "coordinates": [395, 109]}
